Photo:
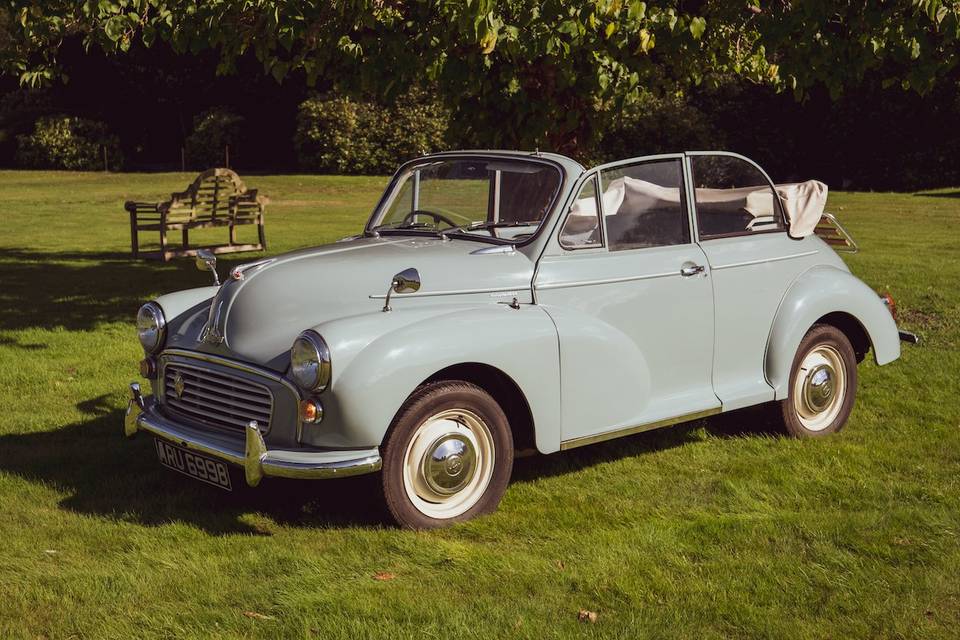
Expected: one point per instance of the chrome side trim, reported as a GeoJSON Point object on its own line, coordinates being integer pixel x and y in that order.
{"type": "Point", "coordinates": [496, 249]}
{"type": "Point", "coordinates": [250, 453]}
{"type": "Point", "coordinates": [584, 283]}
{"type": "Point", "coordinates": [449, 292]}
{"type": "Point", "coordinates": [618, 433]}
{"type": "Point", "coordinates": [762, 260]}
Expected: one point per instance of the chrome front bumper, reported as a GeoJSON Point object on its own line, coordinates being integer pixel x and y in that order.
{"type": "Point", "coordinates": [257, 461]}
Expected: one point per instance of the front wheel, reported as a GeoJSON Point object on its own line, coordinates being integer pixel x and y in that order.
{"type": "Point", "coordinates": [823, 384]}
{"type": "Point", "coordinates": [447, 457]}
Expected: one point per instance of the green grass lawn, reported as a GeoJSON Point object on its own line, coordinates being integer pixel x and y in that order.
{"type": "Point", "coordinates": [714, 529]}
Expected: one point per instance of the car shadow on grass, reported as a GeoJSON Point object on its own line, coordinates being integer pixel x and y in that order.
{"type": "Point", "coordinates": [759, 421]}
{"type": "Point", "coordinates": [104, 474]}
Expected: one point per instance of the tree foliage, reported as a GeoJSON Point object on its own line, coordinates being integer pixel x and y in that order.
{"type": "Point", "coordinates": [534, 72]}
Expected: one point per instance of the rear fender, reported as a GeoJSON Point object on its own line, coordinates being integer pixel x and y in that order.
{"type": "Point", "coordinates": [816, 293]}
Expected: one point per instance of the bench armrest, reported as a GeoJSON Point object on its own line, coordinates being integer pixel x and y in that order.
{"type": "Point", "coordinates": [141, 207]}
{"type": "Point", "coordinates": [245, 207]}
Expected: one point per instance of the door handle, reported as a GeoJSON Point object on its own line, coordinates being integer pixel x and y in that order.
{"type": "Point", "coordinates": [689, 269]}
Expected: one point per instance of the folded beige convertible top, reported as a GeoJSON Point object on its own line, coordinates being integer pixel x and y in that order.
{"type": "Point", "coordinates": [803, 202]}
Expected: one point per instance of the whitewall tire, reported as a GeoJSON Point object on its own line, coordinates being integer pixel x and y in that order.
{"type": "Point", "coordinates": [823, 384]}
{"type": "Point", "coordinates": [447, 457]}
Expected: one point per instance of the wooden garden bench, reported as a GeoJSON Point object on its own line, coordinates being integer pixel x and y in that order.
{"type": "Point", "coordinates": [217, 198]}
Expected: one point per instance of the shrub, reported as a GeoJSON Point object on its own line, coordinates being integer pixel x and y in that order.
{"type": "Point", "coordinates": [65, 142]}
{"type": "Point", "coordinates": [337, 134]}
{"type": "Point", "coordinates": [213, 131]}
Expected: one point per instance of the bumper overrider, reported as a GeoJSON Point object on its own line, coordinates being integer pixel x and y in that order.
{"type": "Point", "coordinates": [252, 454]}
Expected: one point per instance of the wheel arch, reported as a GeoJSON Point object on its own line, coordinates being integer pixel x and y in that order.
{"type": "Point", "coordinates": [852, 328]}
{"type": "Point", "coordinates": [504, 390]}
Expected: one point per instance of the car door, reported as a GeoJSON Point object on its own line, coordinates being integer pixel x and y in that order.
{"type": "Point", "coordinates": [742, 230]}
{"type": "Point", "coordinates": [629, 292]}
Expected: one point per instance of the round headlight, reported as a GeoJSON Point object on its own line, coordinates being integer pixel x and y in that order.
{"type": "Point", "coordinates": [310, 361]}
{"type": "Point", "coordinates": [151, 327]}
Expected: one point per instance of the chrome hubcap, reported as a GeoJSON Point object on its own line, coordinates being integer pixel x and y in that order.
{"type": "Point", "coordinates": [449, 464]}
{"type": "Point", "coordinates": [819, 388]}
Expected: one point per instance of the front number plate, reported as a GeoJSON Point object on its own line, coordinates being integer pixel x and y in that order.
{"type": "Point", "coordinates": [196, 466]}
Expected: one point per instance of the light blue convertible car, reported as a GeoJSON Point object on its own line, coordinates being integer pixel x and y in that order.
{"type": "Point", "coordinates": [500, 302]}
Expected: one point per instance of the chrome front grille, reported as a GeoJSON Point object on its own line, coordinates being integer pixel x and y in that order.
{"type": "Point", "coordinates": [215, 398]}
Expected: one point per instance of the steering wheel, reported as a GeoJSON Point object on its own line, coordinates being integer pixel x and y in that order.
{"type": "Point", "coordinates": [437, 218]}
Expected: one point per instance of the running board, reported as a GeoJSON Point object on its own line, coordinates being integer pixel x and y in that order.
{"type": "Point", "coordinates": [629, 431]}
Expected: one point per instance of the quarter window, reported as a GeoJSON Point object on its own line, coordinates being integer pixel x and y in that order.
{"type": "Point", "coordinates": [581, 230]}
{"type": "Point", "coordinates": [643, 205]}
{"type": "Point", "coordinates": [733, 197]}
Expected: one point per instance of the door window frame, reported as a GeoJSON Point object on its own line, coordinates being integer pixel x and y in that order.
{"type": "Point", "coordinates": [578, 189]}
{"type": "Point", "coordinates": [596, 172]}
{"type": "Point", "coordinates": [688, 170]}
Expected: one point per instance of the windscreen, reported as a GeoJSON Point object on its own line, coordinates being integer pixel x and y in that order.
{"type": "Point", "coordinates": [491, 198]}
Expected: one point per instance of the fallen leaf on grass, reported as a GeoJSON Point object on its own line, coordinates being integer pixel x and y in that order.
{"type": "Point", "coordinates": [258, 616]}
{"type": "Point", "coordinates": [587, 616]}
{"type": "Point", "coordinates": [50, 552]}
{"type": "Point", "coordinates": [384, 575]}
{"type": "Point", "coordinates": [560, 565]}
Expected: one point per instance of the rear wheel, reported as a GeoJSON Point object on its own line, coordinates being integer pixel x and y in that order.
{"type": "Point", "coordinates": [447, 457]}
{"type": "Point", "coordinates": [823, 384]}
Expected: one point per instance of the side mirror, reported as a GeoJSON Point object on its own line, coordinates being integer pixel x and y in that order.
{"type": "Point", "coordinates": [206, 261]}
{"type": "Point", "coordinates": [407, 281]}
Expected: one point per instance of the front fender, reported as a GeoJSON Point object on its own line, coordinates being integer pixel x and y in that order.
{"type": "Point", "coordinates": [186, 313]}
{"type": "Point", "coordinates": [380, 358]}
{"type": "Point", "coordinates": [816, 293]}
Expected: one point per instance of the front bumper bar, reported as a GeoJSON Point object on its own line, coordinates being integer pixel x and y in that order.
{"type": "Point", "coordinates": [257, 461]}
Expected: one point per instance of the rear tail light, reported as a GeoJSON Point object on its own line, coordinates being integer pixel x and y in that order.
{"type": "Point", "coordinates": [891, 305]}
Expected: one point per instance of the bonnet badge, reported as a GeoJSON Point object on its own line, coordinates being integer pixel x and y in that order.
{"type": "Point", "coordinates": [178, 385]}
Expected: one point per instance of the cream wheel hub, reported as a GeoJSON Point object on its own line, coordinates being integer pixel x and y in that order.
{"type": "Point", "coordinates": [819, 388]}
{"type": "Point", "coordinates": [448, 463]}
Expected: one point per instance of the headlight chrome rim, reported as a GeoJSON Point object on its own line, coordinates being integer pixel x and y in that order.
{"type": "Point", "coordinates": [151, 313]}
{"type": "Point", "coordinates": [310, 365]}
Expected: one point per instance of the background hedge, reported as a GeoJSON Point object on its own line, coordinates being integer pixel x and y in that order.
{"type": "Point", "coordinates": [64, 142]}
{"type": "Point", "coordinates": [337, 134]}
{"type": "Point", "coordinates": [217, 134]}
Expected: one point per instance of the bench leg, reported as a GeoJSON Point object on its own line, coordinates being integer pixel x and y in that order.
{"type": "Point", "coordinates": [163, 243]}
{"type": "Point", "coordinates": [233, 234]}
{"type": "Point", "coordinates": [186, 238]}
{"type": "Point", "coordinates": [134, 241]}
{"type": "Point", "coordinates": [261, 233]}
